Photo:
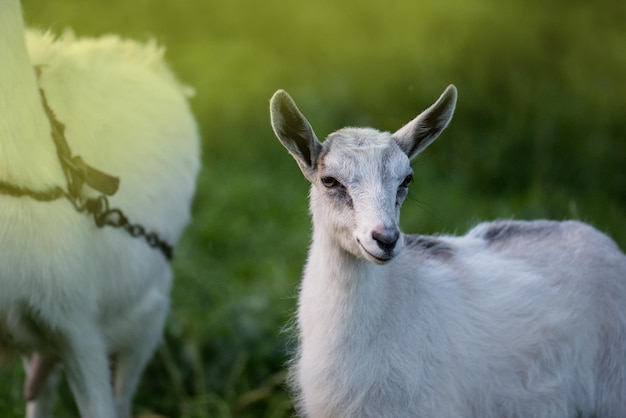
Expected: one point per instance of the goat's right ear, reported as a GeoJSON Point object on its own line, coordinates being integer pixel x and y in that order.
{"type": "Point", "coordinates": [295, 133]}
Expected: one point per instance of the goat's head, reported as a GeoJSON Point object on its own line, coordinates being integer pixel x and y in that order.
{"type": "Point", "coordinates": [360, 176]}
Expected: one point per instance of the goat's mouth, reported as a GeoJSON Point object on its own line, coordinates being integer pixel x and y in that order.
{"type": "Point", "coordinates": [376, 258]}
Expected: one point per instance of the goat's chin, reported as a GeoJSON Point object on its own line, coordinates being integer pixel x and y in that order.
{"type": "Point", "coordinates": [377, 257]}
{"type": "Point", "coordinates": [379, 261]}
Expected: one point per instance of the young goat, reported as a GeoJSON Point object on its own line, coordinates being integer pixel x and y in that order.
{"type": "Point", "coordinates": [72, 294]}
{"type": "Point", "coordinates": [514, 319]}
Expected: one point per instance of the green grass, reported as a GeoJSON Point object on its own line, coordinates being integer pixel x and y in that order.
{"type": "Point", "coordinates": [539, 132]}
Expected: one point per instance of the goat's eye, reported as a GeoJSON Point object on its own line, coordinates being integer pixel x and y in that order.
{"type": "Point", "coordinates": [407, 180]}
{"type": "Point", "coordinates": [330, 182]}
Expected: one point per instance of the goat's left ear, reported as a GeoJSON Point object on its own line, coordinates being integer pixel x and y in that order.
{"type": "Point", "coordinates": [295, 133]}
{"type": "Point", "coordinates": [416, 135]}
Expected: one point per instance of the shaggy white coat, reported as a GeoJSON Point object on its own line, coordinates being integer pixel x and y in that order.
{"type": "Point", "coordinates": [70, 292]}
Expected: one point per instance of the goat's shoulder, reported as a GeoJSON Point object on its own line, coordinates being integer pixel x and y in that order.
{"type": "Point", "coordinates": [430, 246]}
{"type": "Point", "coordinates": [513, 235]}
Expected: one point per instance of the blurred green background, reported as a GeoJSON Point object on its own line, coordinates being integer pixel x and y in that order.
{"type": "Point", "coordinates": [539, 132]}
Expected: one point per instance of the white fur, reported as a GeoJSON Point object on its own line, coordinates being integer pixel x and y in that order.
{"type": "Point", "coordinates": [73, 293]}
{"type": "Point", "coordinates": [514, 319]}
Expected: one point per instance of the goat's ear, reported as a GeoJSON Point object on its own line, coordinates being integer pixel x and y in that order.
{"type": "Point", "coordinates": [295, 132]}
{"type": "Point", "coordinates": [416, 135]}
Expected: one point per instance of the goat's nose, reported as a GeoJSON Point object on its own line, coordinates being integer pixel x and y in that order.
{"type": "Point", "coordinates": [387, 238]}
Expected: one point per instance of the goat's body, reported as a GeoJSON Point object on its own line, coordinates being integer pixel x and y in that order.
{"type": "Point", "coordinates": [512, 320]}
{"type": "Point", "coordinates": [72, 291]}
{"type": "Point", "coordinates": [467, 326]}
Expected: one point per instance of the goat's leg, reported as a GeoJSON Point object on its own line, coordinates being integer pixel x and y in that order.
{"type": "Point", "coordinates": [42, 376]}
{"type": "Point", "coordinates": [149, 319]}
{"type": "Point", "coordinates": [84, 356]}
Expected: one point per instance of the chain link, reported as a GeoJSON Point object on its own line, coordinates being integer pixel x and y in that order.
{"type": "Point", "coordinates": [103, 215]}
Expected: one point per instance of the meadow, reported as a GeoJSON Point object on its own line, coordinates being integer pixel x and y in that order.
{"type": "Point", "coordinates": [539, 132]}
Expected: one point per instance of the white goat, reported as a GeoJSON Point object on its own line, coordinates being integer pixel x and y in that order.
{"type": "Point", "coordinates": [72, 294]}
{"type": "Point", "coordinates": [514, 319]}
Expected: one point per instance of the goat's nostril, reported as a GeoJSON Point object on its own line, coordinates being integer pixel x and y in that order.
{"type": "Point", "coordinates": [386, 240]}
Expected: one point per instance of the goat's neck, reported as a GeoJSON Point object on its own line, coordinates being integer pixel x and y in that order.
{"type": "Point", "coordinates": [348, 292]}
{"type": "Point", "coordinates": [27, 153]}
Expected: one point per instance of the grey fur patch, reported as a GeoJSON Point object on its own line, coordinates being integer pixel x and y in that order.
{"type": "Point", "coordinates": [430, 246]}
{"type": "Point", "coordinates": [501, 232]}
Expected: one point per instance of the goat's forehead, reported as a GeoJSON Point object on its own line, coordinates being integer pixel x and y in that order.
{"type": "Point", "coordinates": [355, 149]}
{"type": "Point", "coordinates": [358, 138]}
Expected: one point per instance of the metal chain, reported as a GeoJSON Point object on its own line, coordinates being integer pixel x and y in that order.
{"type": "Point", "coordinates": [103, 215]}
